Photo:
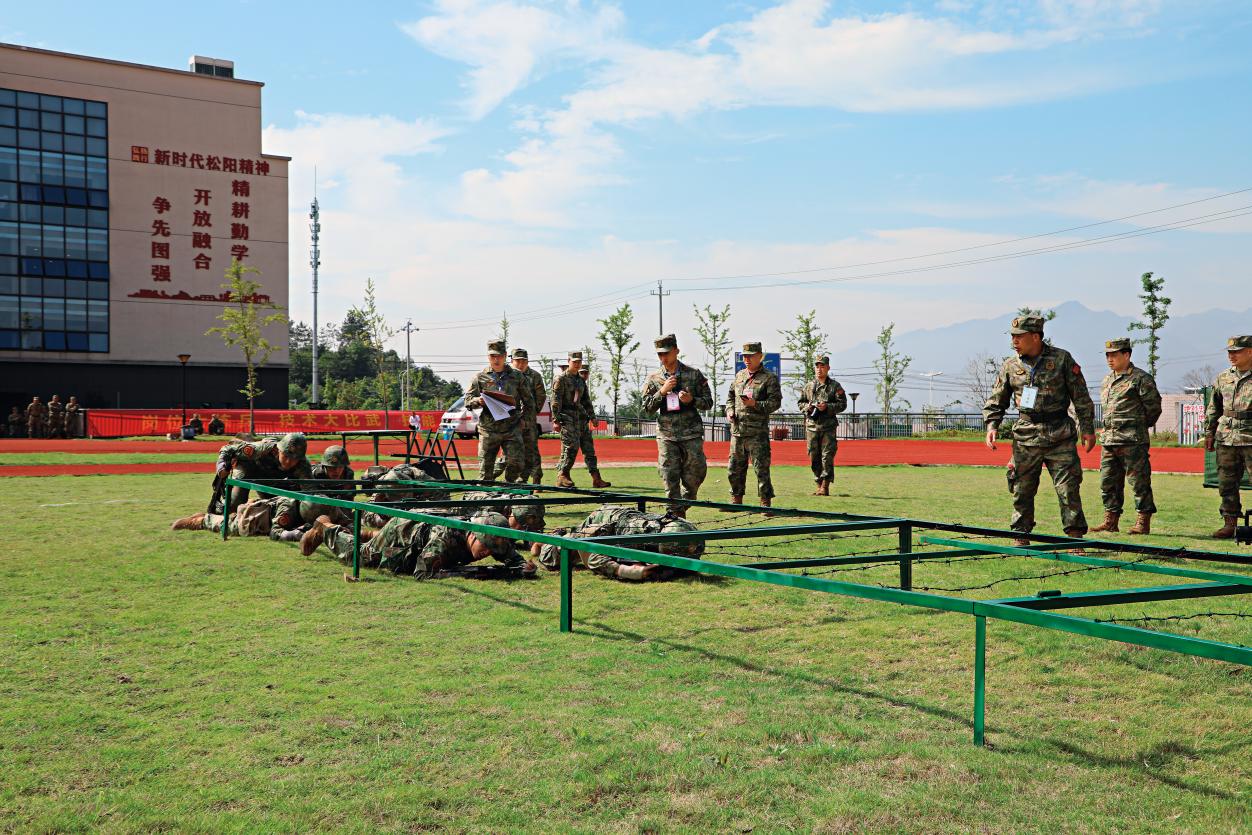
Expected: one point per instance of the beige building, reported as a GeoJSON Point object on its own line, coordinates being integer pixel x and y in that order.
{"type": "Point", "coordinates": [125, 193]}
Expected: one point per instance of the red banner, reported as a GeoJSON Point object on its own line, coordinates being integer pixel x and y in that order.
{"type": "Point", "coordinates": [120, 423]}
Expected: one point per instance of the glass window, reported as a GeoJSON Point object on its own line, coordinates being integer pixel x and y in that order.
{"type": "Point", "coordinates": [8, 265]}
{"type": "Point", "coordinates": [8, 339]}
{"type": "Point", "coordinates": [97, 127]}
{"type": "Point", "coordinates": [32, 266]}
{"type": "Point", "coordinates": [99, 199]}
{"type": "Point", "coordinates": [28, 119]}
{"type": "Point", "coordinates": [50, 121]}
{"type": "Point", "coordinates": [8, 164]}
{"type": "Point", "coordinates": [32, 285]}
{"type": "Point", "coordinates": [32, 340]}
{"type": "Point", "coordinates": [75, 217]}
{"type": "Point", "coordinates": [28, 139]}
{"type": "Point", "coordinates": [8, 238]}
{"type": "Point", "coordinates": [8, 136]}
{"type": "Point", "coordinates": [99, 343]}
{"type": "Point", "coordinates": [100, 271]}
{"type": "Point", "coordinates": [75, 315]}
{"type": "Point", "coordinates": [76, 269]}
{"type": "Point", "coordinates": [31, 240]}
{"type": "Point", "coordinates": [97, 173]}
{"type": "Point", "coordinates": [97, 290]}
{"type": "Point", "coordinates": [28, 100]}
{"type": "Point", "coordinates": [8, 312]}
{"type": "Point", "coordinates": [53, 168]}
{"type": "Point", "coordinates": [75, 197]}
{"type": "Point", "coordinates": [98, 244]}
{"type": "Point", "coordinates": [97, 316]}
{"type": "Point", "coordinates": [8, 285]}
{"type": "Point", "coordinates": [54, 214]}
{"type": "Point", "coordinates": [52, 103]}
{"type": "Point", "coordinates": [53, 341]}
{"type": "Point", "coordinates": [51, 142]}
{"type": "Point", "coordinates": [72, 106]}
{"type": "Point", "coordinates": [8, 211]}
{"type": "Point", "coordinates": [76, 170]}
{"type": "Point", "coordinates": [98, 147]}
{"type": "Point", "coordinates": [53, 194]}
{"type": "Point", "coordinates": [54, 314]}
{"type": "Point", "coordinates": [74, 124]}
{"type": "Point", "coordinates": [75, 144]}
{"type": "Point", "coordinates": [75, 242]}
{"type": "Point", "coordinates": [54, 242]}
{"type": "Point", "coordinates": [28, 167]}
{"type": "Point", "coordinates": [8, 117]}
{"type": "Point", "coordinates": [55, 268]}
{"type": "Point", "coordinates": [97, 108]}
{"type": "Point", "coordinates": [75, 289]}
{"type": "Point", "coordinates": [8, 97]}
{"type": "Point", "coordinates": [53, 288]}
{"type": "Point", "coordinates": [32, 313]}
{"type": "Point", "coordinates": [76, 341]}
{"type": "Point", "coordinates": [8, 191]}
{"type": "Point", "coordinates": [98, 219]}
{"type": "Point", "coordinates": [31, 213]}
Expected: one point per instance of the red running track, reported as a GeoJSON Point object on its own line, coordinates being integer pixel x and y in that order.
{"type": "Point", "coordinates": [611, 452]}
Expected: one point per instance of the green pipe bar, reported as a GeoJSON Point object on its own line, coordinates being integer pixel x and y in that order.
{"type": "Point", "coordinates": [980, 610]}
{"type": "Point", "coordinates": [1119, 597]}
{"type": "Point", "coordinates": [748, 533]}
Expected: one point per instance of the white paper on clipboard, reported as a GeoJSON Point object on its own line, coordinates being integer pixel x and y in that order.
{"type": "Point", "coordinates": [498, 410]}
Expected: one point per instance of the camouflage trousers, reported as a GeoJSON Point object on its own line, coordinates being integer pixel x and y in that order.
{"type": "Point", "coordinates": [682, 467]}
{"type": "Point", "coordinates": [338, 541]}
{"type": "Point", "coordinates": [1232, 462]}
{"type": "Point", "coordinates": [742, 448]}
{"type": "Point", "coordinates": [1066, 471]}
{"type": "Point", "coordinates": [1118, 463]}
{"type": "Point", "coordinates": [550, 558]}
{"type": "Point", "coordinates": [575, 436]}
{"type": "Point", "coordinates": [822, 447]}
{"type": "Point", "coordinates": [34, 429]}
{"type": "Point", "coordinates": [490, 445]}
{"type": "Point", "coordinates": [532, 463]}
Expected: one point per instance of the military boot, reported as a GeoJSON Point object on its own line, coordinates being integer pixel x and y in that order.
{"type": "Point", "coordinates": [766, 503]}
{"type": "Point", "coordinates": [825, 488]}
{"type": "Point", "coordinates": [1076, 533]}
{"type": "Point", "coordinates": [538, 479]}
{"type": "Point", "coordinates": [312, 538]}
{"type": "Point", "coordinates": [195, 522]}
{"type": "Point", "coordinates": [1227, 530]}
{"type": "Point", "coordinates": [680, 512]}
{"type": "Point", "coordinates": [733, 500]}
{"type": "Point", "coordinates": [291, 536]}
{"type": "Point", "coordinates": [599, 483]}
{"type": "Point", "coordinates": [817, 491]}
{"type": "Point", "coordinates": [1143, 524]}
{"type": "Point", "coordinates": [1020, 542]}
{"type": "Point", "coordinates": [563, 480]}
{"type": "Point", "coordinates": [1110, 523]}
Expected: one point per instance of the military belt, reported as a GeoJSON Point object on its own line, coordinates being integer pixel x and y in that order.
{"type": "Point", "coordinates": [1046, 417]}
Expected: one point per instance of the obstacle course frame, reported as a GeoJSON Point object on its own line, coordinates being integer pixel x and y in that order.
{"type": "Point", "coordinates": [1039, 611]}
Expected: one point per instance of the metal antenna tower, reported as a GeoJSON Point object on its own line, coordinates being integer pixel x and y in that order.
{"type": "Point", "coordinates": [660, 292]}
{"type": "Point", "coordinates": [408, 361]}
{"type": "Point", "coordinates": [315, 261]}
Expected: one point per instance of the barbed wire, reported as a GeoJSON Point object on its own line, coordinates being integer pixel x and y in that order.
{"type": "Point", "coordinates": [1162, 618]}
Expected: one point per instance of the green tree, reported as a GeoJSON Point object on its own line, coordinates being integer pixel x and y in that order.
{"type": "Point", "coordinates": [546, 366]}
{"type": "Point", "coordinates": [615, 337]}
{"type": "Point", "coordinates": [244, 322]}
{"type": "Point", "coordinates": [589, 363]}
{"type": "Point", "coordinates": [375, 333]}
{"type": "Point", "coordinates": [713, 331]}
{"type": "Point", "coordinates": [890, 366]}
{"type": "Point", "coordinates": [804, 344]}
{"type": "Point", "coordinates": [1045, 315]}
{"type": "Point", "coordinates": [1155, 315]}
{"type": "Point", "coordinates": [504, 328]}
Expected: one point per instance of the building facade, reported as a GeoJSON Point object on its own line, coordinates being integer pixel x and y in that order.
{"type": "Point", "coordinates": [125, 193]}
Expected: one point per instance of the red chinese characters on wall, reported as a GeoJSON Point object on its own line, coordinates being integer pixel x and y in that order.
{"type": "Point", "coordinates": [204, 162]}
{"type": "Point", "coordinates": [160, 250]}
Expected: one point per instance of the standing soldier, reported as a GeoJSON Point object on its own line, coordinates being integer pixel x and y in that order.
{"type": "Point", "coordinates": [1130, 404]}
{"type": "Point", "coordinates": [36, 416]}
{"type": "Point", "coordinates": [71, 417]}
{"type": "Point", "coordinates": [56, 417]}
{"type": "Point", "coordinates": [1042, 381]}
{"type": "Point", "coordinates": [497, 434]}
{"type": "Point", "coordinates": [17, 422]}
{"type": "Point", "coordinates": [532, 464]}
{"type": "Point", "coordinates": [820, 402]}
{"type": "Point", "coordinates": [754, 395]}
{"type": "Point", "coordinates": [676, 395]}
{"type": "Point", "coordinates": [216, 426]}
{"type": "Point", "coordinates": [1228, 429]}
{"type": "Point", "coordinates": [573, 417]}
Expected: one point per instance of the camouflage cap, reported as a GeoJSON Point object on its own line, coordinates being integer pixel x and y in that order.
{"type": "Point", "coordinates": [575, 355]}
{"type": "Point", "coordinates": [585, 371]}
{"type": "Point", "coordinates": [530, 515]}
{"type": "Point", "coordinates": [821, 359]}
{"type": "Point", "coordinates": [1026, 324]}
{"type": "Point", "coordinates": [1112, 346]}
{"type": "Point", "coordinates": [498, 545]}
{"type": "Point", "coordinates": [374, 473]}
{"type": "Point", "coordinates": [669, 342]}
{"type": "Point", "coordinates": [335, 456]}
{"type": "Point", "coordinates": [1236, 343]}
{"type": "Point", "coordinates": [692, 548]}
{"type": "Point", "coordinates": [752, 348]}
{"type": "Point", "coordinates": [293, 443]}
{"type": "Point", "coordinates": [520, 354]}
{"type": "Point", "coordinates": [496, 346]}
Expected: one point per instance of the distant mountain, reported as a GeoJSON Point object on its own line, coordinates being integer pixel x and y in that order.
{"type": "Point", "coordinates": [1187, 342]}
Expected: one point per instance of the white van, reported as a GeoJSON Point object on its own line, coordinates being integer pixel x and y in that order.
{"type": "Point", "coordinates": [463, 423]}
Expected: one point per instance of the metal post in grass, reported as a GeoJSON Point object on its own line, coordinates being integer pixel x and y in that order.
{"type": "Point", "coordinates": [643, 505]}
{"type": "Point", "coordinates": [980, 676]}
{"type": "Point", "coordinates": [227, 489]}
{"type": "Point", "coordinates": [906, 556]}
{"type": "Point", "coordinates": [356, 543]}
{"type": "Point", "coordinates": [567, 591]}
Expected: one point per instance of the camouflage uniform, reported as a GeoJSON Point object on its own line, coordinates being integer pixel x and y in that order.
{"type": "Point", "coordinates": [531, 516]}
{"type": "Point", "coordinates": [252, 518]}
{"type": "Point", "coordinates": [404, 546]}
{"type": "Point", "coordinates": [36, 417]}
{"type": "Point", "coordinates": [16, 423]}
{"type": "Point", "coordinates": [72, 409]}
{"type": "Point", "coordinates": [56, 417]}
{"type": "Point", "coordinates": [1044, 434]}
{"type": "Point", "coordinates": [615, 520]}
{"type": "Point", "coordinates": [258, 460]}
{"type": "Point", "coordinates": [504, 435]}
{"type": "Point", "coordinates": [679, 432]}
{"type": "Point", "coordinates": [571, 408]}
{"type": "Point", "coordinates": [749, 427]}
{"type": "Point", "coordinates": [294, 515]}
{"type": "Point", "coordinates": [532, 462]}
{"type": "Point", "coordinates": [819, 426]}
{"type": "Point", "coordinates": [1228, 425]}
{"type": "Point", "coordinates": [404, 498]}
{"type": "Point", "coordinates": [1130, 403]}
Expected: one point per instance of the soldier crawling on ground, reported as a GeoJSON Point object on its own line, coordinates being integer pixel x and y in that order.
{"type": "Point", "coordinates": [616, 520]}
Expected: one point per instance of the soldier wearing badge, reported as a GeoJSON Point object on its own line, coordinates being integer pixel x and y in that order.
{"type": "Point", "coordinates": [496, 434]}
{"type": "Point", "coordinates": [532, 463]}
{"type": "Point", "coordinates": [573, 417]}
{"type": "Point", "coordinates": [820, 403]}
{"type": "Point", "coordinates": [1042, 381]}
{"type": "Point", "coordinates": [754, 395]}
{"type": "Point", "coordinates": [676, 394]}
{"type": "Point", "coordinates": [1228, 430]}
{"type": "Point", "coordinates": [1130, 405]}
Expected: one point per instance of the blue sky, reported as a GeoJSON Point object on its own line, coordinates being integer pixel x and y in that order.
{"type": "Point", "coordinates": [481, 157]}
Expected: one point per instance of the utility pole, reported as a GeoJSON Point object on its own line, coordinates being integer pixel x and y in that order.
{"type": "Point", "coordinates": [660, 292]}
{"type": "Point", "coordinates": [408, 361]}
{"type": "Point", "coordinates": [315, 261]}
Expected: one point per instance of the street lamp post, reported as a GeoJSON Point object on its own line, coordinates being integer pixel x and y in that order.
{"type": "Point", "coordinates": [183, 359]}
{"type": "Point", "coordinates": [931, 375]}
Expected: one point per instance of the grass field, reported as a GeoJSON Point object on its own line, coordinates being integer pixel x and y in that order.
{"type": "Point", "coordinates": [158, 680]}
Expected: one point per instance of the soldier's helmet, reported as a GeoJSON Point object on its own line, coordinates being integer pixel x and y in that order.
{"type": "Point", "coordinates": [530, 515]}
{"type": "Point", "coordinates": [498, 545]}
{"type": "Point", "coordinates": [335, 456]}
{"type": "Point", "coordinates": [374, 473]}
{"type": "Point", "coordinates": [293, 444]}
{"type": "Point", "coordinates": [692, 548]}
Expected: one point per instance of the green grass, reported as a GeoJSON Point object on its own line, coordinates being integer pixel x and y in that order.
{"type": "Point", "coordinates": [13, 459]}
{"type": "Point", "coordinates": [160, 680]}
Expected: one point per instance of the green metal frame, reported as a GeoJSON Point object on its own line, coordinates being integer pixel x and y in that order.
{"type": "Point", "coordinates": [1035, 611]}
